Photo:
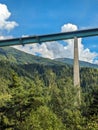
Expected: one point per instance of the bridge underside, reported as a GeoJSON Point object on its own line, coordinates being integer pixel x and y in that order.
{"type": "Point", "coordinates": [49, 37]}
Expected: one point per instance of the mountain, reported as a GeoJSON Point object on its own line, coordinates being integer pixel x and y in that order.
{"type": "Point", "coordinates": [82, 63]}
{"type": "Point", "coordinates": [19, 57]}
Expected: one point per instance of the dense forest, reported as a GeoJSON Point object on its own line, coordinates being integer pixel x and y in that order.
{"type": "Point", "coordinates": [38, 94]}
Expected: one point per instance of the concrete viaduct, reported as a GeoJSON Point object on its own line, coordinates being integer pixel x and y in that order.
{"type": "Point", "coordinates": [54, 37]}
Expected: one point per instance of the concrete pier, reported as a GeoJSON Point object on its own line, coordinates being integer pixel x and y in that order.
{"type": "Point", "coordinates": [76, 72]}
{"type": "Point", "coordinates": [76, 63]}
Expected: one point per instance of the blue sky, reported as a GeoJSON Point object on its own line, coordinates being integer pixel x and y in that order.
{"type": "Point", "coordinates": [34, 17]}
{"type": "Point", "coordinates": [47, 16]}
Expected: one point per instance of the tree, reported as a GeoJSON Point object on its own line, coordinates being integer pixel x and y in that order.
{"type": "Point", "coordinates": [43, 119]}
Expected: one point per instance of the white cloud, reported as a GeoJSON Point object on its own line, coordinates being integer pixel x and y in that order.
{"type": "Point", "coordinates": [5, 37]}
{"type": "Point", "coordinates": [36, 48]}
{"type": "Point", "coordinates": [4, 23]}
{"type": "Point", "coordinates": [84, 54]}
{"type": "Point", "coordinates": [4, 15]}
{"type": "Point", "coordinates": [2, 37]}
{"type": "Point", "coordinates": [69, 27]}
{"type": "Point", "coordinates": [96, 61]}
{"type": "Point", "coordinates": [50, 50]}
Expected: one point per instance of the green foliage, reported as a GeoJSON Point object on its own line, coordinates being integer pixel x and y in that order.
{"type": "Point", "coordinates": [41, 96]}
{"type": "Point", "coordinates": [43, 119]}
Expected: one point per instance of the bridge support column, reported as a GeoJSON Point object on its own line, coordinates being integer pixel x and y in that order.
{"type": "Point", "coordinates": [76, 63]}
{"type": "Point", "coordinates": [76, 69]}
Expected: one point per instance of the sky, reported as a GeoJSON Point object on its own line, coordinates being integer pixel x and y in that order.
{"type": "Point", "coordinates": [20, 18]}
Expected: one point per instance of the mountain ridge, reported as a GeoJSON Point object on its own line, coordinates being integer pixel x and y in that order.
{"type": "Point", "coordinates": [19, 57]}
{"type": "Point", "coordinates": [71, 61]}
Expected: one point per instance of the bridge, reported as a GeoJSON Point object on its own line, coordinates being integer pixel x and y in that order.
{"type": "Point", "coordinates": [54, 37]}
{"type": "Point", "coordinates": [49, 37]}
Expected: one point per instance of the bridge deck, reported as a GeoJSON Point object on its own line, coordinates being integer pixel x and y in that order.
{"type": "Point", "coordinates": [49, 37]}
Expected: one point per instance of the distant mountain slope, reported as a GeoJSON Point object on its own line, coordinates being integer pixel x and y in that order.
{"type": "Point", "coordinates": [82, 63]}
{"type": "Point", "coordinates": [16, 56]}
{"type": "Point", "coordinates": [19, 57]}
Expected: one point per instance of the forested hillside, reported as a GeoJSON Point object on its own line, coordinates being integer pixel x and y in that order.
{"type": "Point", "coordinates": [82, 63]}
{"type": "Point", "coordinates": [38, 94]}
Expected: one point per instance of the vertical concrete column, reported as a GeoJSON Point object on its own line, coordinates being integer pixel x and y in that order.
{"type": "Point", "coordinates": [76, 63]}
{"type": "Point", "coordinates": [76, 72]}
